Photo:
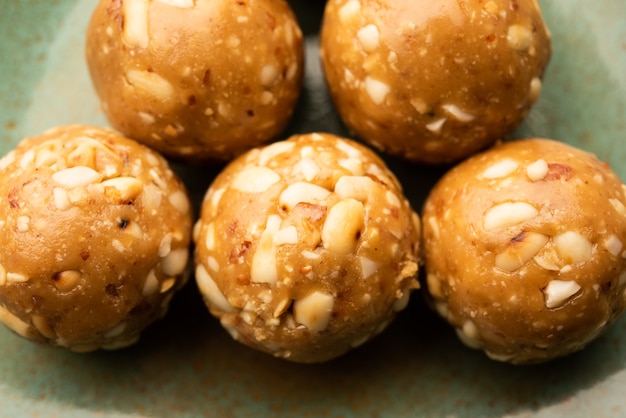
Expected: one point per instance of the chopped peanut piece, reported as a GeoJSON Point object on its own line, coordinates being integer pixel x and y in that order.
{"type": "Point", "coordinates": [314, 310]}
{"type": "Point", "coordinates": [573, 247]}
{"type": "Point", "coordinates": [302, 192]}
{"type": "Point", "coordinates": [500, 169]}
{"type": "Point", "coordinates": [209, 289]}
{"type": "Point", "coordinates": [508, 214]}
{"type": "Point", "coordinates": [135, 13]}
{"type": "Point", "coordinates": [376, 90]}
{"type": "Point", "coordinates": [343, 226]}
{"type": "Point", "coordinates": [521, 251]}
{"type": "Point", "coordinates": [558, 292]}
{"type": "Point", "coordinates": [151, 84]}
{"type": "Point", "coordinates": [78, 176]}
{"type": "Point", "coordinates": [263, 269]}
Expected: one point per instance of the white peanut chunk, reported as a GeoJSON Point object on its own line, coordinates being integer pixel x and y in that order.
{"type": "Point", "coordinates": [469, 335]}
{"type": "Point", "coordinates": [349, 10]}
{"type": "Point", "coordinates": [368, 267]}
{"type": "Point", "coordinates": [78, 176]}
{"type": "Point", "coordinates": [368, 37]}
{"type": "Point", "coordinates": [355, 187]}
{"type": "Point", "coordinates": [16, 278]}
{"type": "Point", "coordinates": [376, 90]}
{"type": "Point", "coordinates": [23, 223]}
{"type": "Point", "coordinates": [263, 268]}
{"type": "Point", "coordinates": [67, 280]}
{"type": "Point", "coordinates": [61, 198]}
{"type": "Point", "coordinates": [167, 284]}
{"type": "Point", "coordinates": [548, 259]}
{"type": "Point", "coordinates": [349, 150]}
{"type": "Point", "coordinates": [508, 214]}
{"type": "Point", "coordinates": [211, 291]}
{"type": "Point", "coordinates": [537, 170]}
{"type": "Point", "coordinates": [179, 200]}
{"type": "Point", "coordinates": [288, 235]}
{"type": "Point", "coordinates": [573, 248]}
{"type": "Point", "coordinates": [122, 189]}
{"type": "Point", "coordinates": [402, 301]}
{"type": "Point", "coordinates": [307, 167]}
{"type": "Point", "coordinates": [151, 84]}
{"type": "Point", "coordinates": [255, 179]}
{"type": "Point", "coordinates": [535, 89]}
{"type": "Point", "coordinates": [613, 245]}
{"type": "Point", "coordinates": [42, 325]}
{"type": "Point", "coordinates": [165, 246]}
{"type": "Point", "coordinates": [151, 285]}
{"type": "Point", "coordinates": [500, 169]}
{"type": "Point", "coordinates": [521, 250]}
{"type": "Point", "coordinates": [117, 330]}
{"type": "Point", "coordinates": [3, 275]}
{"type": "Point", "coordinates": [436, 126]}
{"type": "Point", "coordinates": [618, 206]}
{"type": "Point", "coordinates": [519, 37]}
{"type": "Point", "coordinates": [558, 292]}
{"type": "Point", "coordinates": [302, 192]}
{"type": "Point", "coordinates": [269, 74]}
{"type": "Point", "coordinates": [314, 310]}
{"type": "Point", "coordinates": [458, 113]}
{"type": "Point", "coordinates": [209, 242]}
{"type": "Point", "coordinates": [273, 150]}
{"type": "Point", "coordinates": [15, 323]}
{"type": "Point", "coordinates": [135, 13]}
{"type": "Point", "coordinates": [175, 262]}
{"type": "Point", "coordinates": [343, 226]}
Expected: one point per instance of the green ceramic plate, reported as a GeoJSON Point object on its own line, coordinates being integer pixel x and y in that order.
{"type": "Point", "coordinates": [186, 365]}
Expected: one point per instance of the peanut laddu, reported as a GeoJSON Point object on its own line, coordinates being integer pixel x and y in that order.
{"type": "Point", "coordinates": [95, 231]}
{"type": "Point", "coordinates": [306, 248]}
{"type": "Point", "coordinates": [524, 250]}
{"type": "Point", "coordinates": [196, 79]}
{"type": "Point", "coordinates": [433, 81]}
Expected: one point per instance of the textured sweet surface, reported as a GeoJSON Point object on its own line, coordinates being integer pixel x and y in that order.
{"type": "Point", "coordinates": [535, 268]}
{"type": "Point", "coordinates": [192, 368]}
{"type": "Point", "coordinates": [95, 231]}
{"type": "Point", "coordinates": [434, 81]}
{"type": "Point", "coordinates": [306, 248]}
{"type": "Point", "coordinates": [196, 80]}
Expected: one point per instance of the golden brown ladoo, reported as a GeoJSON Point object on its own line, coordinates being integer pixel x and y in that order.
{"type": "Point", "coordinates": [95, 232]}
{"type": "Point", "coordinates": [524, 250]}
{"type": "Point", "coordinates": [196, 79]}
{"type": "Point", "coordinates": [433, 81]}
{"type": "Point", "coordinates": [306, 248]}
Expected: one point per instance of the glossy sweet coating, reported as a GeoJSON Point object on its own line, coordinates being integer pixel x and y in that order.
{"type": "Point", "coordinates": [196, 79]}
{"type": "Point", "coordinates": [524, 250]}
{"type": "Point", "coordinates": [433, 81]}
{"type": "Point", "coordinates": [95, 231]}
{"type": "Point", "coordinates": [306, 248]}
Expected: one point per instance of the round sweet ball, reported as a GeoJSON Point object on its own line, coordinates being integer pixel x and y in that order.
{"type": "Point", "coordinates": [306, 248]}
{"type": "Point", "coordinates": [524, 250]}
{"type": "Point", "coordinates": [195, 79]}
{"type": "Point", "coordinates": [433, 81]}
{"type": "Point", "coordinates": [95, 231]}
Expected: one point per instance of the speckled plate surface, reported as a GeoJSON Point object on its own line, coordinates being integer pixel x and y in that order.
{"type": "Point", "coordinates": [186, 365]}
